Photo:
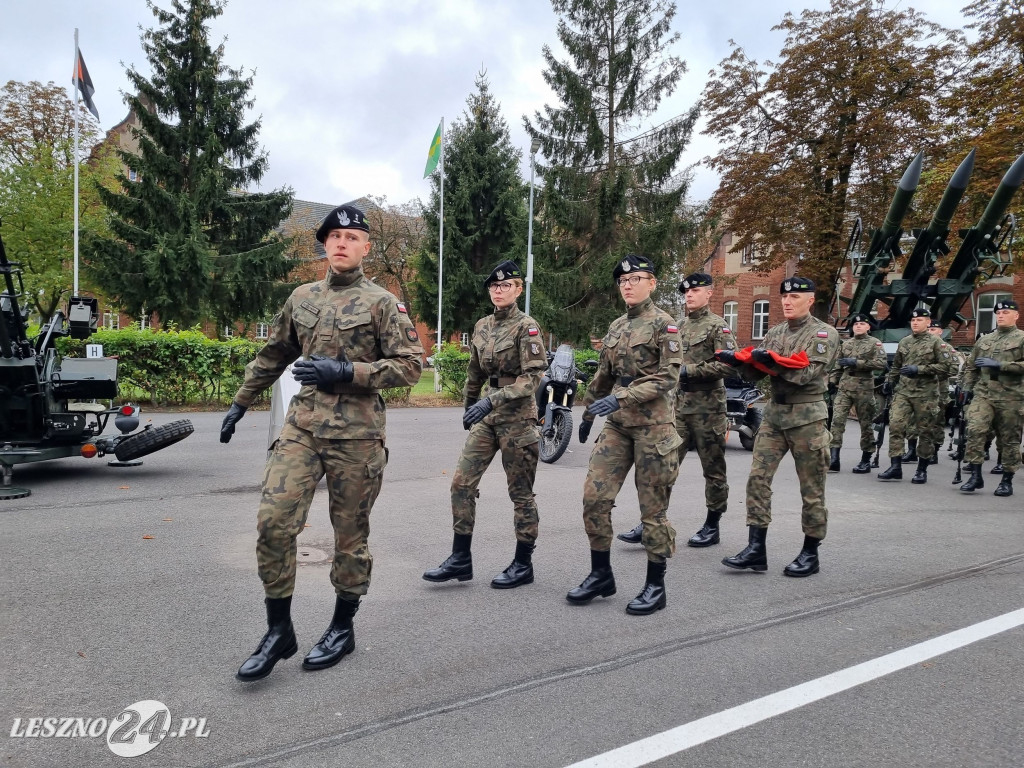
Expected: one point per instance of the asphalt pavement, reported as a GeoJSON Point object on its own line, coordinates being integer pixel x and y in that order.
{"type": "Point", "coordinates": [124, 585]}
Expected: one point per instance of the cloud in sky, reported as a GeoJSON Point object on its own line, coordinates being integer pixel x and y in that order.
{"type": "Point", "coordinates": [350, 97]}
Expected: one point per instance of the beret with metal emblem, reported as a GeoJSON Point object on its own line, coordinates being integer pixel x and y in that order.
{"type": "Point", "coordinates": [935, 323]}
{"type": "Point", "coordinates": [796, 284]}
{"type": "Point", "coordinates": [630, 263]}
{"type": "Point", "coordinates": [1006, 304]}
{"type": "Point", "coordinates": [860, 317]}
{"type": "Point", "coordinates": [342, 217]}
{"type": "Point", "coordinates": [921, 312]}
{"type": "Point", "coordinates": [506, 270]}
{"type": "Point", "coordinates": [696, 280]}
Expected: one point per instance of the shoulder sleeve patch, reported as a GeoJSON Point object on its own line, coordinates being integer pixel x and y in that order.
{"type": "Point", "coordinates": [402, 309]}
{"type": "Point", "coordinates": [533, 331]}
{"type": "Point", "coordinates": [671, 329]}
{"type": "Point", "coordinates": [822, 334]}
{"type": "Point", "coordinates": [726, 329]}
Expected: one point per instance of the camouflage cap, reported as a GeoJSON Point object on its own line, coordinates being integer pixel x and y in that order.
{"type": "Point", "coordinates": [506, 270]}
{"type": "Point", "coordinates": [696, 280]}
{"type": "Point", "coordinates": [796, 284]}
{"type": "Point", "coordinates": [1006, 304]}
{"type": "Point", "coordinates": [632, 263]}
{"type": "Point", "coordinates": [342, 217]}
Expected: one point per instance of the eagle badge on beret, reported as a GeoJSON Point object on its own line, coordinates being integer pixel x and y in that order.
{"type": "Point", "coordinates": [788, 285]}
{"type": "Point", "coordinates": [626, 266]}
{"type": "Point", "coordinates": [343, 219]}
{"type": "Point", "coordinates": [686, 284]}
{"type": "Point", "coordinates": [500, 275]}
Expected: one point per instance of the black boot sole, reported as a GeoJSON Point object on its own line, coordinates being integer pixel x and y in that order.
{"type": "Point", "coordinates": [800, 574]}
{"type": "Point", "coordinates": [759, 567]}
{"type": "Point", "coordinates": [442, 579]}
{"type": "Point", "coordinates": [703, 542]}
{"type": "Point", "coordinates": [585, 600]}
{"type": "Point", "coordinates": [346, 649]}
{"type": "Point", "coordinates": [266, 673]}
{"type": "Point", "coordinates": [860, 471]}
{"type": "Point", "coordinates": [512, 584]}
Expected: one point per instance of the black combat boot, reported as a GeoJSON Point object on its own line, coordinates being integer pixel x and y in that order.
{"type": "Point", "coordinates": [834, 462]}
{"type": "Point", "coordinates": [708, 534]}
{"type": "Point", "coordinates": [652, 596]}
{"type": "Point", "coordinates": [921, 476]}
{"type": "Point", "coordinates": [338, 640]}
{"type": "Point", "coordinates": [459, 564]}
{"type": "Point", "coordinates": [935, 456]}
{"type": "Point", "coordinates": [806, 562]}
{"type": "Point", "coordinates": [975, 481]}
{"type": "Point", "coordinates": [755, 555]}
{"type": "Point", "coordinates": [895, 470]}
{"type": "Point", "coordinates": [633, 536]}
{"type": "Point", "coordinates": [599, 582]}
{"type": "Point", "coordinates": [1005, 487]}
{"type": "Point", "coordinates": [997, 469]}
{"type": "Point", "coordinates": [865, 464]}
{"type": "Point", "coordinates": [279, 642]}
{"type": "Point", "coordinates": [520, 571]}
{"type": "Point", "coordinates": [911, 454]}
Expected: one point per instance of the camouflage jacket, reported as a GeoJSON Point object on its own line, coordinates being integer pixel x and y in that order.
{"type": "Point", "coordinates": [639, 364]}
{"type": "Point", "coordinates": [933, 358]}
{"type": "Point", "coordinates": [1007, 384]}
{"type": "Point", "coordinates": [870, 357]}
{"type": "Point", "coordinates": [702, 391]}
{"type": "Point", "coordinates": [347, 313]}
{"type": "Point", "coordinates": [798, 394]}
{"type": "Point", "coordinates": [507, 353]}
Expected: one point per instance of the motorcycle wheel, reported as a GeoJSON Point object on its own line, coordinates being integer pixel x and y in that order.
{"type": "Point", "coordinates": [552, 448]}
{"type": "Point", "coordinates": [152, 439]}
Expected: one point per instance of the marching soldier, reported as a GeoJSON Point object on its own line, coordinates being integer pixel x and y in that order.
{"type": "Point", "coordinates": [995, 378]}
{"type": "Point", "coordinates": [356, 339]}
{"type": "Point", "coordinates": [853, 384]}
{"type": "Point", "coordinates": [506, 354]}
{"type": "Point", "coordinates": [634, 386]}
{"type": "Point", "coordinates": [797, 354]}
{"type": "Point", "coordinates": [700, 406]}
{"type": "Point", "coordinates": [920, 358]}
{"type": "Point", "coordinates": [942, 386]}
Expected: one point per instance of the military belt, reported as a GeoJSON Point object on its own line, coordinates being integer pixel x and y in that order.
{"type": "Point", "coordinates": [625, 381]}
{"type": "Point", "coordinates": [502, 381]}
{"type": "Point", "coordinates": [353, 389]}
{"type": "Point", "coordinates": [860, 374]}
{"type": "Point", "coordinates": [795, 398]}
{"type": "Point", "coordinates": [700, 386]}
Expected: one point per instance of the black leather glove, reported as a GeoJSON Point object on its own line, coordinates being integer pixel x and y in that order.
{"type": "Point", "coordinates": [476, 412]}
{"type": "Point", "coordinates": [887, 388]}
{"type": "Point", "coordinates": [987, 362]}
{"type": "Point", "coordinates": [832, 388]}
{"type": "Point", "coordinates": [604, 406]}
{"type": "Point", "coordinates": [322, 372]}
{"type": "Point", "coordinates": [761, 356]}
{"type": "Point", "coordinates": [683, 376]}
{"type": "Point", "coordinates": [227, 427]}
{"type": "Point", "coordinates": [908, 370]}
{"type": "Point", "coordinates": [585, 427]}
{"type": "Point", "coordinates": [726, 356]}
{"type": "Point", "coordinates": [847, 362]}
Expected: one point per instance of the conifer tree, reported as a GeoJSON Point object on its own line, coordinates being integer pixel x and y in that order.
{"type": "Point", "coordinates": [611, 185]}
{"type": "Point", "coordinates": [190, 240]}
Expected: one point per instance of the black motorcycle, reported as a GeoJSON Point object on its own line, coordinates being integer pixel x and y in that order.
{"type": "Point", "coordinates": [744, 416]}
{"type": "Point", "coordinates": [555, 397]}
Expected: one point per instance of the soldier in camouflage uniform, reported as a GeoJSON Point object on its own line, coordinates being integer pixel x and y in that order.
{"type": "Point", "coordinates": [920, 358]}
{"type": "Point", "coordinates": [635, 387]}
{"type": "Point", "coordinates": [508, 355]}
{"type": "Point", "coordinates": [994, 387]}
{"type": "Point", "coordinates": [356, 339]}
{"type": "Point", "coordinates": [797, 354]}
{"type": "Point", "coordinates": [942, 387]}
{"type": "Point", "coordinates": [852, 382]}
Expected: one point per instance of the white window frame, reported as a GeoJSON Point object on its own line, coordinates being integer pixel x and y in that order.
{"type": "Point", "coordinates": [133, 175]}
{"type": "Point", "coordinates": [985, 316]}
{"type": "Point", "coordinates": [464, 339]}
{"type": "Point", "coordinates": [731, 314]}
{"type": "Point", "coordinates": [229, 332]}
{"type": "Point", "coordinates": [262, 331]}
{"type": "Point", "coordinates": [145, 320]}
{"type": "Point", "coordinates": [112, 320]}
{"type": "Point", "coordinates": [760, 319]}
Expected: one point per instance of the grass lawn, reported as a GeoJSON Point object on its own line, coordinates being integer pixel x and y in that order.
{"type": "Point", "coordinates": [423, 392]}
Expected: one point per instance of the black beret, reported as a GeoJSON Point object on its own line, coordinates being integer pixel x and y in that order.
{"type": "Point", "coordinates": [1006, 304]}
{"type": "Point", "coordinates": [860, 317]}
{"type": "Point", "coordinates": [632, 263]}
{"type": "Point", "coordinates": [696, 280]}
{"type": "Point", "coordinates": [796, 284]}
{"type": "Point", "coordinates": [342, 217]}
{"type": "Point", "coordinates": [506, 270]}
{"type": "Point", "coordinates": [935, 323]}
{"type": "Point", "coordinates": [921, 312]}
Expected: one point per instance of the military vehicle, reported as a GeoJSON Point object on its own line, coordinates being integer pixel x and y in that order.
{"type": "Point", "coordinates": [53, 407]}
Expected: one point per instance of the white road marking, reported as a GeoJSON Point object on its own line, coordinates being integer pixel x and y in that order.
{"type": "Point", "coordinates": [707, 728]}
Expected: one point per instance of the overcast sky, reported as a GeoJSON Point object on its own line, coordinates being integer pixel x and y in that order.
{"type": "Point", "coordinates": [350, 94]}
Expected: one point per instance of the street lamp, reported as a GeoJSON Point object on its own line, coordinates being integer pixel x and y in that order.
{"type": "Point", "coordinates": [534, 146]}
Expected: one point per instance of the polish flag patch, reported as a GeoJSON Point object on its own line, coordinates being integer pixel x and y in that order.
{"type": "Point", "coordinates": [402, 309]}
{"type": "Point", "coordinates": [671, 329]}
{"type": "Point", "coordinates": [822, 334]}
{"type": "Point", "coordinates": [533, 331]}
{"type": "Point", "coordinates": [726, 329]}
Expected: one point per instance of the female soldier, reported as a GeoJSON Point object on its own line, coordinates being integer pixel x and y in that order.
{"type": "Point", "coordinates": [635, 387]}
{"type": "Point", "coordinates": [508, 355]}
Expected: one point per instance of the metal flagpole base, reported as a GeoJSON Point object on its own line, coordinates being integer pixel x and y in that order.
{"type": "Point", "coordinates": [12, 492]}
{"type": "Point", "coordinates": [135, 463]}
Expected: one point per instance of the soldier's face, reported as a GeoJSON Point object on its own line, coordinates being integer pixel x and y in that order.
{"type": "Point", "coordinates": [918, 324]}
{"type": "Point", "coordinates": [1007, 318]}
{"type": "Point", "coordinates": [859, 329]}
{"type": "Point", "coordinates": [639, 293]}
{"type": "Point", "coordinates": [934, 331]}
{"type": "Point", "coordinates": [346, 248]}
{"type": "Point", "coordinates": [796, 305]}
{"type": "Point", "coordinates": [504, 293]}
{"type": "Point", "coordinates": [697, 298]}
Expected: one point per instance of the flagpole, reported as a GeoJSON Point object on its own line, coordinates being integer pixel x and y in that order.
{"type": "Point", "coordinates": [440, 262]}
{"type": "Point", "coordinates": [77, 87]}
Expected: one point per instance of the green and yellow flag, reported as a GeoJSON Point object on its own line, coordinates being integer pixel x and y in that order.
{"type": "Point", "coordinates": [434, 156]}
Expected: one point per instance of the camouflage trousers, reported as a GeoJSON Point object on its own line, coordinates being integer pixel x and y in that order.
{"type": "Point", "coordinates": [706, 432]}
{"type": "Point", "coordinates": [1006, 419]}
{"type": "Point", "coordinates": [654, 451]}
{"type": "Point", "coordinates": [914, 416]}
{"type": "Point", "coordinates": [866, 408]}
{"type": "Point", "coordinates": [937, 434]}
{"type": "Point", "coordinates": [354, 470]}
{"type": "Point", "coordinates": [519, 443]}
{"type": "Point", "coordinates": [809, 446]}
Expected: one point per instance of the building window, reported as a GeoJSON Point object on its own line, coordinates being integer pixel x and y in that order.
{"type": "Point", "coordinates": [229, 332]}
{"type": "Point", "coordinates": [144, 321]}
{"type": "Point", "coordinates": [262, 330]}
{"type": "Point", "coordinates": [133, 175]}
{"type": "Point", "coordinates": [986, 315]}
{"type": "Point", "coordinates": [730, 313]}
{"type": "Point", "coordinates": [111, 320]}
{"type": "Point", "coordinates": [464, 339]}
{"type": "Point", "coordinates": [760, 319]}
{"type": "Point", "coordinates": [748, 255]}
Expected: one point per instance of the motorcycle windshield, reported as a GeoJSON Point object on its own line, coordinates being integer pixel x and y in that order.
{"type": "Point", "coordinates": [563, 364]}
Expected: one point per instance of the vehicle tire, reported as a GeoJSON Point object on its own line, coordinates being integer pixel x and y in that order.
{"type": "Point", "coordinates": [752, 420]}
{"type": "Point", "coordinates": [152, 439]}
{"type": "Point", "coordinates": [552, 448]}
